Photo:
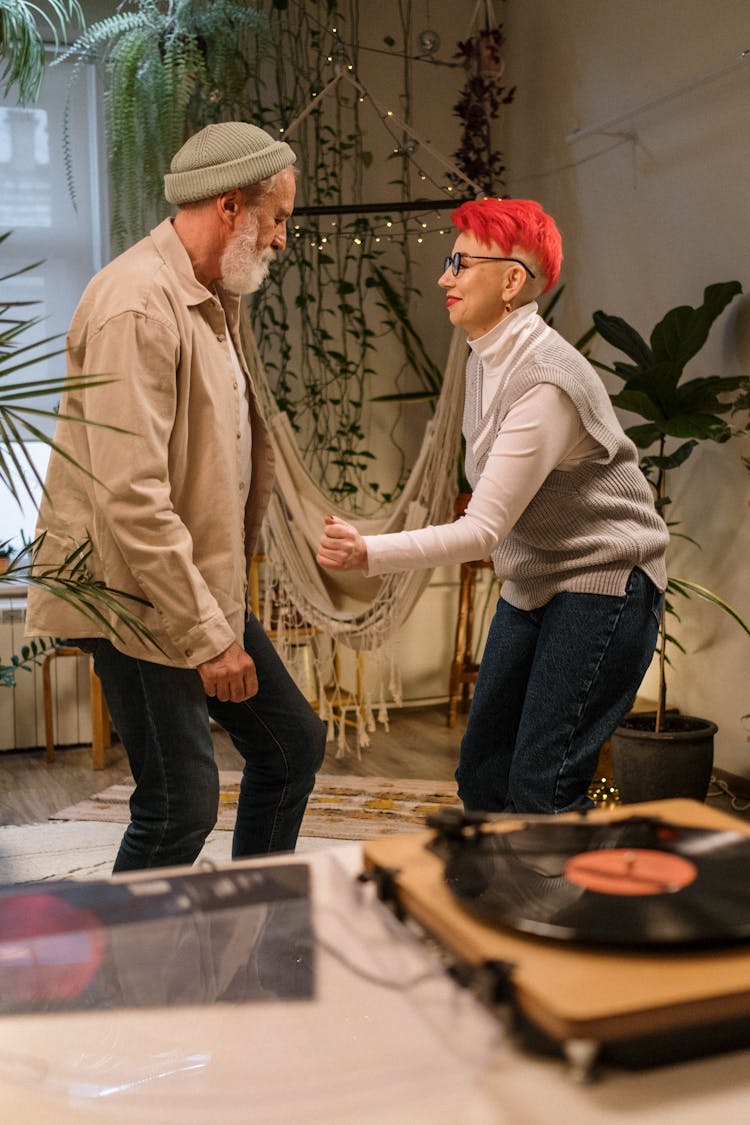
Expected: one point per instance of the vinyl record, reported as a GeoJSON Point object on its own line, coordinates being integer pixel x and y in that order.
{"type": "Point", "coordinates": [635, 882]}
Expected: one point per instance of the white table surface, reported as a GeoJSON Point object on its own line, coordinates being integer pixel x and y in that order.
{"type": "Point", "coordinates": [388, 1039]}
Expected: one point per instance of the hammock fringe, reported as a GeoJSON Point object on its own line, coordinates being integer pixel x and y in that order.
{"type": "Point", "coordinates": [301, 605]}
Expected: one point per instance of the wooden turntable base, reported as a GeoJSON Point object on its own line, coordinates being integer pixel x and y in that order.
{"type": "Point", "coordinates": [581, 997]}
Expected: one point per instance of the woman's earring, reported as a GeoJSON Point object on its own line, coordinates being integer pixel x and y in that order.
{"type": "Point", "coordinates": [508, 308]}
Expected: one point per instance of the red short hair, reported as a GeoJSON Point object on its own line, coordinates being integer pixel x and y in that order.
{"type": "Point", "coordinates": [514, 223]}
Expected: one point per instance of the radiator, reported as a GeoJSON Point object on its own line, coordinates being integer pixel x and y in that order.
{"type": "Point", "coordinates": [22, 706]}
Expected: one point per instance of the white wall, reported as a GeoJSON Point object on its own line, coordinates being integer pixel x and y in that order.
{"type": "Point", "coordinates": [646, 226]}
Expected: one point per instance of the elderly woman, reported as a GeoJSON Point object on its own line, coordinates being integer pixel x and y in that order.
{"type": "Point", "coordinates": [560, 504]}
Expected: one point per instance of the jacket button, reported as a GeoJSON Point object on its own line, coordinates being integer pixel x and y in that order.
{"type": "Point", "coordinates": [188, 652]}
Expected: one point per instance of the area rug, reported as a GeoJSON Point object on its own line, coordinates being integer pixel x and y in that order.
{"type": "Point", "coordinates": [340, 807]}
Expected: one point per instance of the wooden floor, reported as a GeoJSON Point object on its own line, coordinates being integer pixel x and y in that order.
{"type": "Point", "coordinates": [418, 745]}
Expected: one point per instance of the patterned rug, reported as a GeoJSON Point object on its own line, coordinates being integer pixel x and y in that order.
{"type": "Point", "coordinates": [340, 807]}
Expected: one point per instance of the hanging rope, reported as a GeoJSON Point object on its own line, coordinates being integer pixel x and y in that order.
{"type": "Point", "coordinates": [362, 612]}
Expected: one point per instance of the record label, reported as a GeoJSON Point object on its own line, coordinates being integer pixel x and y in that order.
{"type": "Point", "coordinates": [630, 871]}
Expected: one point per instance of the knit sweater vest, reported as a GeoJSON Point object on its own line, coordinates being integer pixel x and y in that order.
{"type": "Point", "coordinates": [585, 529]}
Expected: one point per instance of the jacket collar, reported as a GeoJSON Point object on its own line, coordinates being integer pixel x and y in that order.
{"type": "Point", "coordinates": [177, 260]}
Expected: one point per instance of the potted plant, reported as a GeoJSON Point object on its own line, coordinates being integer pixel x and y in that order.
{"type": "Point", "coordinates": [665, 754]}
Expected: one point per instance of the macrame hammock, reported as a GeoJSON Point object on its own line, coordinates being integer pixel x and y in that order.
{"type": "Point", "coordinates": [347, 607]}
{"type": "Point", "coordinates": [351, 609]}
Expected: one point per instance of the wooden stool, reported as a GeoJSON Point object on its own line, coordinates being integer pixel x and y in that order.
{"type": "Point", "coordinates": [101, 732]}
{"type": "Point", "coordinates": [463, 667]}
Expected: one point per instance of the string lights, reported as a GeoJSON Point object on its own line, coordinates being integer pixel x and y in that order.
{"type": "Point", "coordinates": [417, 219]}
{"type": "Point", "coordinates": [379, 230]}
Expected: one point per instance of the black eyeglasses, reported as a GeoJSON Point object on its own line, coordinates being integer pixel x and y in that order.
{"type": "Point", "coordinates": [454, 263]}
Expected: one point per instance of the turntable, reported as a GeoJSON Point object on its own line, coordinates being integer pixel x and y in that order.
{"type": "Point", "coordinates": [621, 935]}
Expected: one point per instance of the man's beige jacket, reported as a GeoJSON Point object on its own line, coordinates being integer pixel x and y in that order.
{"type": "Point", "coordinates": [162, 503]}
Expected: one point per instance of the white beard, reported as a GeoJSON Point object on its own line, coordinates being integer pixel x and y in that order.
{"type": "Point", "coordinates": [243, 267]}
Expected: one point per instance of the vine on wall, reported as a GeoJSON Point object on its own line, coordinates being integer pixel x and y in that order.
{"type": "Point", "coordinates": [337, 291]}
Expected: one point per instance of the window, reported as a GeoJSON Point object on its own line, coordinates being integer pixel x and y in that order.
{"type": "Point", "coordinates": [36, 207]}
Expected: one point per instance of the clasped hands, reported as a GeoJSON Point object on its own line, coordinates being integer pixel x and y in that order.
{"type": "Point", "coordinates": [341, 546]}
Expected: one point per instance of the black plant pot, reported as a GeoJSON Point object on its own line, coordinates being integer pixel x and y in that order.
{"type": "Point", "coordinates": [676, 762]}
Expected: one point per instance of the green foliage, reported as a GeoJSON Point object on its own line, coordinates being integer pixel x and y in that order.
{"type": "Point", "coordinates": [689, 410]}
{"type": "Point", "coordinates": [170, 67]}
{"type": "Point", "coordinates": [70, 581]}
{"type": "Point", "coordinates": [479, 105]}
{"type": "Point", "coordinates": [22, 661]}
{"type": "Point", "coordinates": [18, 414]}
{"type": "Point", "coordinates": [22, 47]}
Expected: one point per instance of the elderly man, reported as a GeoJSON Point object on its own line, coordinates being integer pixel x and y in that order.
{"type": "Point", "coordinates": [173, 507]}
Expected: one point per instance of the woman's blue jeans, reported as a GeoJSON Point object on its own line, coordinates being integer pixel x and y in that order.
{"type": "Point", "coordinates": [553, 684]}
{"type": "Point", "coordinates": [162, 717]}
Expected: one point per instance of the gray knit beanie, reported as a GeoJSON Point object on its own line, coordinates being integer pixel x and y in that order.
{"type": "Point", "coordinates": [221, 157]}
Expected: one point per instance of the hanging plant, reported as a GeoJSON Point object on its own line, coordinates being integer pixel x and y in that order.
{"type": "Point", "coordinates": [479, 105]}
{"type": "Point", "coordinates": [170, 67]}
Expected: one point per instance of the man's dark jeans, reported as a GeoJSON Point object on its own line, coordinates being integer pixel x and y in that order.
{"type": "Point", "coordinates": [162, 717]}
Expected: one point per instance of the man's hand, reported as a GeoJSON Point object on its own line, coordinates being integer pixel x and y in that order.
{"type": "Point", "coordinates": [341, 546]}
{"type": "Point", "coordinates": [230, 676]}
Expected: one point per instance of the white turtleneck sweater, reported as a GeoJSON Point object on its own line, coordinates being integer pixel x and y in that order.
{"type": "Point", "coordinates": [541, 432]}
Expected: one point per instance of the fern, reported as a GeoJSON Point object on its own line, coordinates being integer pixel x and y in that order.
{"type": "Point", "coordinates": [169, 69]}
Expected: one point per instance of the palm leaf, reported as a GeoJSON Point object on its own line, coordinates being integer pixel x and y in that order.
{"type": "Point", "coordinates": [72, 584]}
{"type": "Point", "coordinates": [23, 47]}
{"type": "Point", "coordinates": [685, 587]}
{"type": "Point", "coordinates": [71, 581]}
